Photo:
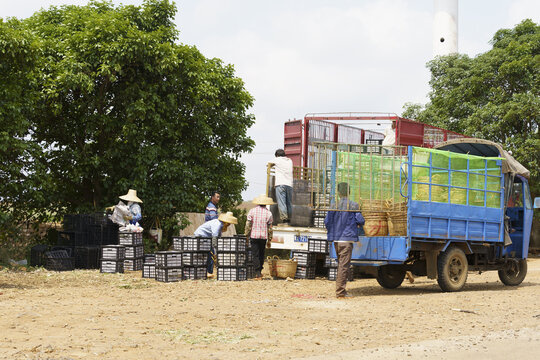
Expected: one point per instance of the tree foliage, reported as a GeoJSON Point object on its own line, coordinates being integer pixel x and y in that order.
{"type": "Point", "coordinates": [98, 99]}
{"type": "Point", "coordinates": [494, 95]}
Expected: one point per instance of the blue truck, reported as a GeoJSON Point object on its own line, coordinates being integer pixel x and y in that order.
{"type": "Point", "coordinates": [468, 208]}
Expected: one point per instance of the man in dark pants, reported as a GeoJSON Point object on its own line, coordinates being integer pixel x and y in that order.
{"type": "Point", "coordinates": [259, 230]}
{"type": "Point", "coordinates": [342, 225]}
{"type": "Point", "coordinates": [211, 211]}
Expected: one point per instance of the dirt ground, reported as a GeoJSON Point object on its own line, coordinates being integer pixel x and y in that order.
{"type": "Point", "coordinates": [88, 315]}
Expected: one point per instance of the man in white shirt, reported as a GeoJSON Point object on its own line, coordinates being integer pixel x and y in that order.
{"type": "Point", "coordinates": [284, 181]}
{"type": "Point", "coordinates": [390, 134]}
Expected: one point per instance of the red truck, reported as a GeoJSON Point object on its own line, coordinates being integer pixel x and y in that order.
{"type": "Point", "coordinates": [346, 128]}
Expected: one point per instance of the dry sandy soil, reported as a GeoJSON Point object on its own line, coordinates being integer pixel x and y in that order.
{"type": "Point", "coordinates": [87, 315]}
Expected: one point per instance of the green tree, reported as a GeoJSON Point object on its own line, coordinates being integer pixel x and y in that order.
{"type": "Point", "coordinates": [117, 103]}
{"type": "Point", "coordinates": [494, 95]}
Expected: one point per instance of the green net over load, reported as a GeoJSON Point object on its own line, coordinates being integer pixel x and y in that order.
{"type": "Point", "coordinates": [456, 178]}
{"type": "Point", "coordinates": [372, 178]}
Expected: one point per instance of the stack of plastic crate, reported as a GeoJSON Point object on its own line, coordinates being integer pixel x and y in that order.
{"type": "Point", "coordinates": [133, 241]}
{"type": "Point", "coordinates": [231, 256]}
{"type": "Point", "coordinates": [332, 265]}
{"type": "Point", "coordinates": [306, 261]}
{"type": "Point", "coordinates": [250, 266]}
{"type": "Point", "coordinates": [195, 252]}
{"type": "Point", "coordinates": [149, 266]}
{"type": "Point", "coordinates": [168, 266]}
{"type": "Point", "coordinates": [112, 258]}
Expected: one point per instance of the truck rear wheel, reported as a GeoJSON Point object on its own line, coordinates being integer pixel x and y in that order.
{"type": "Point", "coordinates": [452, 268]}
{"type": "Point", "coordinates": [514, 272]}
{"type": "Point", "coordinates": [390, 277]}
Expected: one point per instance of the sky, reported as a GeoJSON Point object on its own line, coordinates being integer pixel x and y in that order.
{"type": "Point", "coordinates": [320, 56]}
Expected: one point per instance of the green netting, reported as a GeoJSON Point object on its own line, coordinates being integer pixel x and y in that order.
{"type": "Point", "coordinates": [455, 178]}
{"type": "Point", "coordinates": [370, 176]}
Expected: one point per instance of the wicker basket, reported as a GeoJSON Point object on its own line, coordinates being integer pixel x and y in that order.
{"type": "Point", "coordinates": [286, 268]}
{"type": "Point", "coordinates": [397, 225]}
{"type": "Point", "coordinates": [376, 224]}
{"type": "Point", "coordinates": [372, 205]}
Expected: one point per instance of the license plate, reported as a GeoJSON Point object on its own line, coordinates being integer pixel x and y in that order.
{"type": "Point", "coordinates": [300, 238]}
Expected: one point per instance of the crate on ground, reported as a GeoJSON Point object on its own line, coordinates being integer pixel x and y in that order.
{"type": "Point", "coordinates": [136, 251]}
{"type": "Point", "coordinates": [178, 243]}
{"type": "Point", "coordinates": [231, 259]}
{"type": "Point", "coordinates": [196, 244]}
{"type": "Point", "coordinates": [193, 258]}
{"type": "Point", "coordinates": [37, 255]}
{"type": "Point", "coordinates": [305, 272]}
{"type": "Point", "coordinates": [249, 255]}
{"type": "Point", "coordinates": [112, 266]}
{"type": "Point", "coordinates": [318, 246]}
{"type": "Point", "coordinates": [169, 274]}
{"type": "Point", "coordinates": [130, 238]}
{"type": "Point", "coordinates": [58, 260]}
{"type": "Point", "coordinates": [330, 262]}
{"type": "Point", "coordinates": [226, 244]}
{"type": "Point", "coordinates": [166, 259]}
{"type": "Point", "coordinates": [113, 252]}
{"type": "Point", "coordinates": [304, 258]}
{"type": "Point", "coordinates": [194, 273]}
{"type": "Point", "coordinates": [250, 271]}
{"type": "Point", "coordinates": [87, 257]}
{"type": "Point", "coordinates": [332, 274]}
{"type": "Point", "coordinates": [149, 271]}
{"type": "Point", "coordinates": [150, 259]}
{"type": "Point", "coordinates": [238, 273]}
{"type": "Point", "coordinates": [135, 264]}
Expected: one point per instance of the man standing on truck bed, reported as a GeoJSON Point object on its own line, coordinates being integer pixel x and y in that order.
{"type": "Point", "coordinates": [211, 211]}
{"type": "Point", "coordinates": [342, 225]}
{"type": "Point", "coordinates": [284, 181]}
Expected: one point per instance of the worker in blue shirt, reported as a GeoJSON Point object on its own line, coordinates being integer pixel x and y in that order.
{"type": "Point", "coordinates": [213, 229]}
{"type": "Point", "coordinates": [211, 211]}
{"type": "Point", "coordinates": [342, 226]}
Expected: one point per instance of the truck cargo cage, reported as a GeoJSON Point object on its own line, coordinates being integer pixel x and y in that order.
{"type": "Point", "coordinates": [130, 238]}
{"type": "Point", "coordinates": [166, 259]}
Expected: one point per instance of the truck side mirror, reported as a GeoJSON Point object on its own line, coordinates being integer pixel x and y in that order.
{"type": "Point", "coordinates": [536, 204]}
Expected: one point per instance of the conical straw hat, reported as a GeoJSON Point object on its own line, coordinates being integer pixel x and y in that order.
{"type": "Point", "coordinates": [228, 218]}
{"type": "Point", "coordinates": [263, 200]}
{"type": "Point", "coordinates": [131, 196]}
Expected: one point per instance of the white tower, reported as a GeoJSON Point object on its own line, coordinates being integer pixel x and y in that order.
{"type": "Point", "coordinates": [445, 27]}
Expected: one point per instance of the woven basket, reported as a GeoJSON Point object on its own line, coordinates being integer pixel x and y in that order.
{"type": "Point", "coordinates": [397, 225]}
{"type": "Point", "coordinates": [286, 268]}
{"type": "Point", "coordinates": [376, 224]}
{"type": "Point", "coordinates": [372, 205]}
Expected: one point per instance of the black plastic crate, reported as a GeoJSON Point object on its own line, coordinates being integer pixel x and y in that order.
{"type": "Point", "coordinates": [250, 271]}
{"type": "Point", "coordinates": [177, 243]}
{"type": "Point", "coordinates": [231, 259]}
{"type": "Point", "coordinates": [149, 271]}
{"type": "Point", "coordinates": [305, 272]}
{"type": "Point", "coordinates": [150, 259]}
{"type": "Point", "coordinates": [87, 257]}
{"type": "Point", "coordinates": [196, 244]}
{"type": "Point", "coordinates": [318, 246]}
{"type": "Point", "coordinates": [130, 238]}
{"type": "Point", "coordinates": [232, 273]}
{"type": "Point", "coordinates": [193, 258]}
{"type": "Point", "coordinates": [330, 262]}
{"type": "Point", "coordinates": [135, 264]}
{"type": "Point", "coordinates": [113, 252]}
{"type": "Point", "coordinates": [72, 238]}
{"type": "Point", "coordinates": [231, 244]}
{"type": "Point", "coordinates": [112, 266]}
{"type": "Point", "coordinates": [249, 255]}
{"type": "Point", "coordinates": [136, 251]}
{"type": "Point", "coordinates": [169, 274]}
{"type": "Point", "coordinates": [58, 260]}
{"type": "Point", "coordinates": [304, 258]}
{"type": "Point", "coordinates": [332, 274]}
{"type": "Point", "coordinates": [194, 273]}
{"type": "Point", "coordinates": [168, 259]}
{"type": "Point", "coordinates": [37, 255]}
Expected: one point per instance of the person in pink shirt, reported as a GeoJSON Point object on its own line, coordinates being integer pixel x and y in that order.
{"type": "Point", "coordinates": [259, 230]}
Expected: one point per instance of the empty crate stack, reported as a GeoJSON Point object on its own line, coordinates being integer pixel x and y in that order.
{"type": "Point", "coordinates": [194, 256]}
{"type": "Point", "coordinates": [133, 242]}
{"type": "Point", "coordinates": [306, 264]}
{"type": "Point", "coordinates": [149, 266]}
{"type": "Point", "coordinates": [168, 266]}
{"type": "Point", "coordinates": [112, 258]}
{"type": "Point", "coordinates": [231, 259]}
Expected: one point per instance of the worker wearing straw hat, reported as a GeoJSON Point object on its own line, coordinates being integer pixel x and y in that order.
{"type": "Point", "coordinates": [135, 213]}
{"type": "Point", "coordinates": [259, 231]}
{"type": "Point", "coordinates": [213, 229]}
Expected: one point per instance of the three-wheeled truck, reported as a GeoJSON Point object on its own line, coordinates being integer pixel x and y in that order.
{"type": "Point", "coordinates": [465, 206]}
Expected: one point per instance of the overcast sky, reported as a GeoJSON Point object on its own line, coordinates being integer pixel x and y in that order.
{"type": "Point", "coordinates": [305, 56]}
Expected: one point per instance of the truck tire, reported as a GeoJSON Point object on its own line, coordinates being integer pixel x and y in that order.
{"type": "Point", "coordinates": [452, 268]}
{"type": "Point", "coordinates": [390, 277]}
{"type": "Point", "coordinates": [514, 272]}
